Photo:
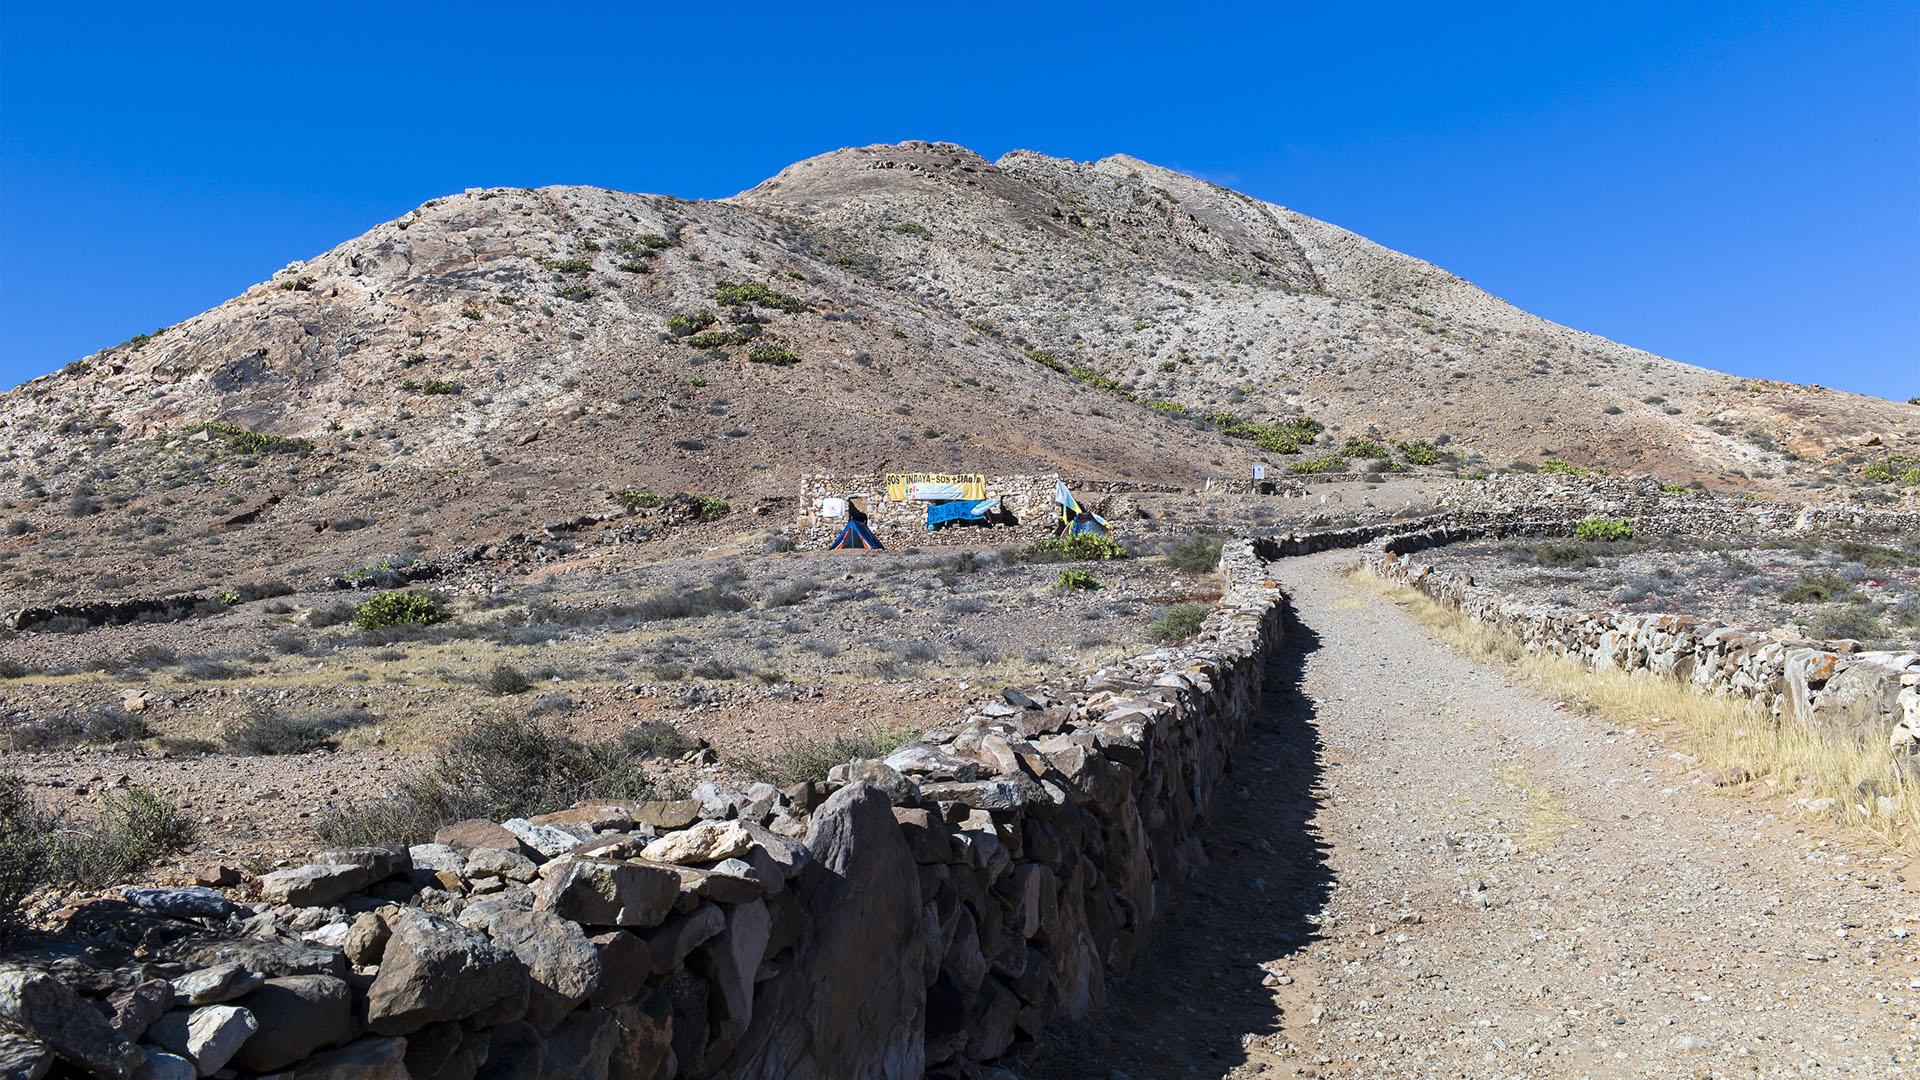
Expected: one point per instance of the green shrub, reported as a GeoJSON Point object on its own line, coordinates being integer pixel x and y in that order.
{"type": "Point", "coordinates": [266, 733]}
{"type": "Point", "coordinates": [645, 242]}
{"type": "Point", "coordinates": [709, 508]}
{"type": "Point", "coordinates": [241, 440]}
{"type": "Point", "coordinates": [1179, 621]}
{"type": "Point", "coordinates": [1901, 469]}
{"type": "Point", "coordinates": [1045, 359]}
{"type": "Point", "coordinates": [1167, 365]}
{"type": "Point", "coordinates": [1596, 528]}
{"type": "Point", "coordinates": [574, 292]}
{"type": "Point", "coordinates": [639, 500]}
{"type": "Point", "coordinates": [1420, 453]}
{"type": "Point", "coordinates": [910, 228]}
{"type": "Point", "coordinates": [1357, 447]}
{"type": "Point", "coordinates": [227, 597]}
{"type": "Point", "coordinates": [1079, 547]}
{"type": "Point", "coordinates": [1330, 463]}
{"type": "Point", "coordinates": [1555, 465]}
{"type": "Point", "coordinates": [39, 847]}
{"type": "Point", "coordinates": [1076, 579]}
{"type": "Point", "coordinates": [769, 353]}
{"type": "Point", "coordinates": [395, 609]}
{"type": "Point", "coordinates": [754, 294]}
{"type": "Point", "coordinates": [1853, 621]}
{"type": "Point", "coordinates": [567, 266]}
{"type": "Point", "coordinates": [1171, 408]}
{"type": "Point", "coordinates": [635, 266]}
{"type": "Point", "coordinates": [430, 386]}
{"type": "Point", "coordinates": [691, 322]}
{"type": "Point", "coordinates": [1197, 554]}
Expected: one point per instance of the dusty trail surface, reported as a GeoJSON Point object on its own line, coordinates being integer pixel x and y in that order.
{"type": "Point", "coordinates": [1426, 870]}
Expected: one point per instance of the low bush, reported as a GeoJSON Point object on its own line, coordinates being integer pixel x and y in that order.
{"type": "Point", "coordinates": [802, 759]}
{"type": "Point", "coordinates": [754, 294]}
{"type": "Point", "coordinates": [1818, 589]}
{"type": "Point", "coordinates": [1555, 465]}
{"type": "Point", "coordinates": [690, 323]}
{"type": "Point", "coordinates": [1076, 579]}
{"type": "Point", "coordinates": [1330, 463]}
{"type": "Point", "coordinates": [1357, 447]}
{"type": "Point", "coordinates": [505, 680]}
{"type": "Point", "coordinates": [396, 609]}
{"type": "Point", "coordinates": [1079, 547]}
{"type": "Point", "coordinates": [497, 769]}
{"type": "Point", "coordinates": [1854, 621]}
{"type": "Point", "coordinates": [654, 739]}
{"type": "Point", "coordinates": [1179, 621]}
{"type": "Point", "coordinates": [1554, 555]}
{"type": "Point", "coordinates": [1597, 528]}
{"type": "Point", "coordinates": [769, 353]}
{"type": "Point", "coordinates": [266, 733]}
{"type": "Point", "coordinates": [1197, 554]}
{"type": "Point", "coordinates": [40, 848]}
{"type": "Point", "coordinates": [639, 500]}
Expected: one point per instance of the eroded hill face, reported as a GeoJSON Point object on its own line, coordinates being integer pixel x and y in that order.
{"type": "Point", "coordinates": [501, 359]}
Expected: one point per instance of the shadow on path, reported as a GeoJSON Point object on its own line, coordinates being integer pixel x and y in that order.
{"type": "Point", "coordinates": [1196, 990]}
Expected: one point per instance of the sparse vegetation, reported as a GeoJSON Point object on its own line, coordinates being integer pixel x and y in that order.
{"type": "Point", "coordinates": [40, 848]}
{"type": "Point", "coordinates": [1179, 621]}
{"type": "Point", "coordinates": [397, 609]}
{"type": "Point", "coordinates": [1076, 579]}
{"type": "Point", "coordinates": [755, 294]}
{"type": "Point", "coordinates": [1327, 464]}
{"type": "Point", "coordinates": [1079, 547]}
{"type": "Point", "coordinates": [769, 353]}
{"type": "Point", "coordinates": [1597, 528]}
{"type": "Point", "coordinates": [803, 759]}
{"type": "Point", "coordinates": [1819, 589]}
{"type": "Point", "coordinates": [243, 441]}
{"type": "Point", "coordinates": [1197, 554]}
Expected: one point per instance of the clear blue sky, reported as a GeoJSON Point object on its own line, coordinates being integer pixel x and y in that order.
{"type": "Point", "coordinates": [1734, 185]}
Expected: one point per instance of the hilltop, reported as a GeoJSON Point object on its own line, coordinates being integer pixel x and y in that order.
{"type": "Point", "coordinates": [504, 358]}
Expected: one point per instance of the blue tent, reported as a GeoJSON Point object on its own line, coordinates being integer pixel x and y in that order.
{"type": "Point", "coordinates": [855, 535]}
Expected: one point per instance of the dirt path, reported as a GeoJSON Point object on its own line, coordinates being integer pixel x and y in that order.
{"type": "Point", "coordinates": [1425, 870]}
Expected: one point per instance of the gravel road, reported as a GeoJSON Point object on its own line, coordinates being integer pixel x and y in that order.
{"type": "Point", "coordinates": [1426, 870]}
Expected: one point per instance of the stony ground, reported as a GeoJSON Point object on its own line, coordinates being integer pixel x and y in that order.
{"type": "Point", "coordinates": [1426, 870]}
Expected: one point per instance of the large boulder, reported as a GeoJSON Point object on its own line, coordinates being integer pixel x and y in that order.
{"type": "Point", "coordinates": [297, 1015]}
{"type": "Point", "coordinates": [850, 1006]}
{"type": "Point", "coordinates": [436, 969]}
{"type": "Point", "coordinates": [564, 965]}
{"type": "Point", "coordinates": [607, 892]}
{"type": "Point", "coordinates": [316, 885]}
{"type": "Point", "coordinates": [48, 1012]}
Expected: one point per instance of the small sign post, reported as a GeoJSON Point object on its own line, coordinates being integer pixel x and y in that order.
{"type": "Point", "coordinates": [1259, 472]}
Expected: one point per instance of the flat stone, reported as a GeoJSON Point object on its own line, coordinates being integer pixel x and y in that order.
{"type": "Point", "coordinates": [427, 858]}
{"type": "Point", "coordinates": [548, 840]}
{"type": "Point", "coordinates": [473, 833]}
{"type": "Point", "coordinates": [597, 892]}
{"type": "Point", "coordinates": [208, 1036]}
{"type": "Point", "coordinates": [212, 985]}
{"type": "Point", "coordinates": [382, 862]}
{"type": "Point", "coordinates": [902, 791]}
{"type": "Point", "coordinates": [187, 902]}
{"type": "Point", "coordinates": [269, 958]}
{"type": "Point", "coordinates": [138, 1006]}
{"type": "Point", "coordinates": [925, 760]}
{"type": "Point", "coordinates": [316, 885]}
{"type": "Point", "coordinates": [296, 1016]}
{"type": "Point", "coordinates": [669, 944]}
{"type": "Point", "coordinates": [625, 963]}
{"type": "Point", "coordinates": [564, 965]}
{"type": "Point", "coordinates": [581, 1046]}
{"type": "Point", "coordinates": [595, 817]}
{"type": "Point", "coordinates": [161, 1065]}
{"type": "Point", "coordinates": [675, 814]}
{"type": "Point", "coordinates": [1002, 793]}
{"type": "Point", "coordinates": [495, 862]}
{"type": "Point", "coordinates": [709, 841]}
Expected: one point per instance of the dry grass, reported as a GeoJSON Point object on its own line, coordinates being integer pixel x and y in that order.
{"type": "Point", "coordinates": [1726, 732]}
{"type": "Point", "coordinates": [1544, 818]}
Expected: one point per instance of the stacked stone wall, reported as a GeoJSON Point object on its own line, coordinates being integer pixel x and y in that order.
{"type": "Point", "coordinates": [925, 914]}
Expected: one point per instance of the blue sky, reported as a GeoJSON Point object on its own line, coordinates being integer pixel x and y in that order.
{"type": "Point", "coordinates": [1734, 185]}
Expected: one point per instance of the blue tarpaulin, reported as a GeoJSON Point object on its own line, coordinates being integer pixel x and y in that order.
{"type": "Point", "coordinates": [958, 510]}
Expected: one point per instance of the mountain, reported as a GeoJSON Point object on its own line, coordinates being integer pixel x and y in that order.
{"type": "Point", "coordinates": [504, 358]}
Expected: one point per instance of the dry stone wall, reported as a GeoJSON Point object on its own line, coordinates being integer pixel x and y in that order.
{"type": "Point", "coordinates": [1845, 694]}
{"type": "Point", "coordinates": [920, 915]}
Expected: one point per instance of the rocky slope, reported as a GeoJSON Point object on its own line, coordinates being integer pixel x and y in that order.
{"type": "Point", "coordinates": [504, 358]}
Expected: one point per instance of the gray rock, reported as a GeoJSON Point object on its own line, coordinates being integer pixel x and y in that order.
{"type": "Point", "coordinates": [445, 1051]}
{"type": "Point", "coordinates": [515, 1052]}
{"type": "Point", "coordinates": [729, 962]}
{"type": "Point", "coordinates": [47, 1011]}
{"type": "Point", "coordinates": [295, 1016]}
{"type": "Point", "coordinates": [367, 938]}
{"type": "Point", "coordinates": [680, 935]}
{"type": "Point", "coordinates": [709, 841]}
{"type": "Point", "coordinates": [581, 1047]}
{"type": "Point", "coordinates": [597, 892]}
{"type": "Point", "coordinates": [852, 1002]}
{"type": "Point", "coordinates": [564, 965]}
{"type": "Point", "coordinates": [137, 1007]}
{"type": "Point", "coordinates": [369, 1059]}
{"type": "Point", "coordinates": [208, 1036]}
{"type": "Point", "coordinates": [213, 985]}
{"type": "Point", "coordinates": [902, 791]}
{"type": "Point", "coordinates": [493, 862]}
{"type": "Point", "coordinates": [428, 858]}
{"type": "Point", "coordinates": [625, 963]}
{"type": "Point", "coordinates": [161, 1065]}
{"type": "Point", "coordinates": [473, 833]}
{"type": "Point", "coordinates": [924, 760]}
{"type": "Point", "coordinates": [1002, 793]}
{"type": "Point", "coordinates": [270, 958]}
{"type": "Point", "coordinates": [22, 1058]}
{"type": "Point", "coordinates": [644, 1049]}
{"type": "Point", "coordinates": [718, 801]}
{"type": "Point", "coordinates": [382, 862]}
{"type": "Point", "coordinates": [548, 840]}
{"type": "Point", "coordinates": [187, 902]}
{"type": "Point", "coordinates": [316, 885]}
{"type": "Point", "coordinates": [436, 969]}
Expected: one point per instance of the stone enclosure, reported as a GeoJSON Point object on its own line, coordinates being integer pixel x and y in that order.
{"type": "Point", "coordinates": [923, 915]}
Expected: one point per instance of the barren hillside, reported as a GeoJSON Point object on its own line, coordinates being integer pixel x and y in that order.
{"type": "Point", "coordinates": [500, 359]}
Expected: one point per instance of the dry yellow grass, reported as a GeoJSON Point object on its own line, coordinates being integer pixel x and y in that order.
{"type": "Point", "coordinates": [1727, 732]}
{"type": "Point", "coordinates": [1544, 817]}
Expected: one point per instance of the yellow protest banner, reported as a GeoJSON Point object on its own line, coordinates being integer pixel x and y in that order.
{"type": "Point", "coordinates": [972, 485]}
